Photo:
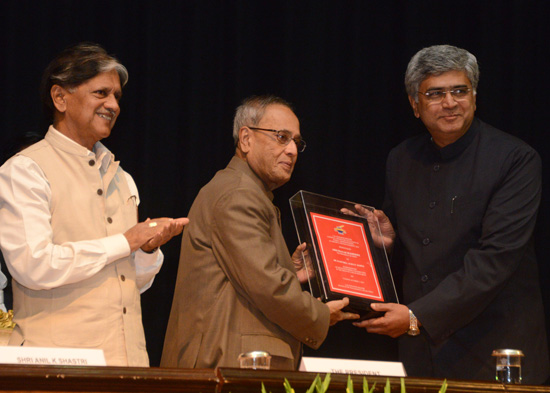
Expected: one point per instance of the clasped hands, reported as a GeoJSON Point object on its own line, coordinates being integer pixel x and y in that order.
{"type": "Point", "coordinates": [153, 233]}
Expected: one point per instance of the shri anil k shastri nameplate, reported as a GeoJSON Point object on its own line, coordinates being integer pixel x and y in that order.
{"type": "Point", "coordinates": [347, 257]}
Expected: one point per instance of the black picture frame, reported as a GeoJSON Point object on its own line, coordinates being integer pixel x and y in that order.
{"type": "Point", "coordinates": [307, 207]}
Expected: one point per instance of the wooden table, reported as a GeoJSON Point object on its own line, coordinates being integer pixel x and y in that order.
{"type": "Point", "coordinates": [16, 378]}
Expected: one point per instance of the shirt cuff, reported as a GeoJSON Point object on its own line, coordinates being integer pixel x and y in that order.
{"type": "Point", "coordinates": [147, 261]}
{"type": "Point", "coordinates": [147, 266]}
{"type": "Point", "coordinates": [116, 247]}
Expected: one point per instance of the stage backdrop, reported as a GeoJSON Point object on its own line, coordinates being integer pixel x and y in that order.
{"type": "Point", "coordinates": [340, 62]}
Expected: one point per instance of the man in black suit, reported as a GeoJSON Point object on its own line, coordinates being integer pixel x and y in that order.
{"type": "Point", "coordinates": [463, 199]}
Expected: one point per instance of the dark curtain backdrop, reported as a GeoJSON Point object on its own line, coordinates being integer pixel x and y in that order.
{"type": "Point", "coordinates": [340, 62]}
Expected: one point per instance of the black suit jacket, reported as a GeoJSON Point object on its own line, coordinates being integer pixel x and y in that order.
{"type": "Point", "coordinates": [465, 216]}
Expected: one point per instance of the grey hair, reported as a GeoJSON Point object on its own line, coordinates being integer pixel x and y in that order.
{"type": "Point", "coordinates": [74, 66]}
{"type": "Point", "coordinates": [251, 111]}
{"type": "Point", "coordinates": [437, 59]}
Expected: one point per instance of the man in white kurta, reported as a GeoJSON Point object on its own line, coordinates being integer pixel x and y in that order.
{"type": "Point", "coordinates": [69, 234]}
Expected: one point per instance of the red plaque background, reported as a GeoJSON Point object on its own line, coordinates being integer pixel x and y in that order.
{"type": "Point", "coordinates": [347, 257]}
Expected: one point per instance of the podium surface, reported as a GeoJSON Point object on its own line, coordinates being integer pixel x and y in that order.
{"type": "Point", "coordinates": [16, 378]}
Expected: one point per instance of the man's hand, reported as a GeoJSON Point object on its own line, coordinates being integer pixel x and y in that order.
{"type": "Point", "coordinates": [394, 323]}
{"type": "Point", "coordinates": [336, 313]}
{"type": "Point", "coordinates": [151, 234]}
{"type": "Point", "coordinates": [302, 263]}
{"type": "Point", "coordinates": [386, 229]}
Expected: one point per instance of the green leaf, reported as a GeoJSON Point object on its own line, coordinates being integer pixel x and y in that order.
{"type": "Point", "coordinates": [313, 384]}
{"type": "Point", "coordinates": [366, 386]}
{"type": "Point", "coordinates": [286, 384]}
{"type": "Point", "coordinates": [443, 387]}
{"type": "Point", "coordinates": [372, 389]}
{"type": "Point", "coordinates": [387, 388]}
{"type": "Point", "coordinates": [318, 384]}
{"type": "Point", "coordinates": [349, 387]}
{"type": "Point", "coordinates": [324, 385]}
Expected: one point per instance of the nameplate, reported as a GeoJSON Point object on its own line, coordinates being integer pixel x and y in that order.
{"type": "Point", "coordinates": [52, 356]}
{"type": "Point", "coordinates": [350, 366]}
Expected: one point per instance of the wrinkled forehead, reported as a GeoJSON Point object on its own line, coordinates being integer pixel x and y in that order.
{"type": "Point", "coordinates": [280, 117]}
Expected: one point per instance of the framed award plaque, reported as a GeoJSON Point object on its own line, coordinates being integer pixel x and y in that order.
{"type": "Point", "coordinates": [345, 252]}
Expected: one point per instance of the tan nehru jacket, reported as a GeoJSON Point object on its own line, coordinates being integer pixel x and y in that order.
{"type": "Point", "coordinates": [103, 311]}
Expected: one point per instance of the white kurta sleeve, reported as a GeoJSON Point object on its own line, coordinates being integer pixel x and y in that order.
{"type": "Point", "coordinates": [26, 233]}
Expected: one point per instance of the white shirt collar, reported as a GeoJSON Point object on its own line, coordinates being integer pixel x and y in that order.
{"type": "Point", "coordinates": [100, 152]}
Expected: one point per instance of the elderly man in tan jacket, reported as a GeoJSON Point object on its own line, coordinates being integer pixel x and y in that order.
{"type": "Point", "coordinates": [237, 288]}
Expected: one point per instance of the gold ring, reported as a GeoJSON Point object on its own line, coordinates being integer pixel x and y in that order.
{"type": "Point", "coordinates": [152, 224]}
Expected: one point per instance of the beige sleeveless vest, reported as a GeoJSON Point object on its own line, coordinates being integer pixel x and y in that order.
{"type": "Point", "coordinates": [103, 311]}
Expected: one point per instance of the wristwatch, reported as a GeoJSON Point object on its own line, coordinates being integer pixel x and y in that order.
{"type": "Point", "coordinates": [413, 325]}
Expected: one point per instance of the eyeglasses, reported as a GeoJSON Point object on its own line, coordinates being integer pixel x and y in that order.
{"type": "Point", "coordinates": [284, 137]}
{"type": "Point", "coordinates": [435, 96]}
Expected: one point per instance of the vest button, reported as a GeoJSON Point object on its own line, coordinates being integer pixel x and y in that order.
{"type": "Point", "coordinates": [436, 167]}
{"type": "Point", "coordinates": [424, 278]}
{"type": "Point", "coordinates": [91, 162]}
{"type": "Point", "coordinates": [109, 220]}
{"type": "Point", "coordinates": [426, 241]}
{"type": "Point", "coordinates": [122, 278]}
{"type": "Point", "coordinates": [100, 192]}
{"type": "Point", "coordinates": [432, 204]}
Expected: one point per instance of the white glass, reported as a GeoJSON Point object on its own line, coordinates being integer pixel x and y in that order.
{"type": "Point", "coordinates": [508, 365]}
{"type": "Point", "coordinates": [256, 360]}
